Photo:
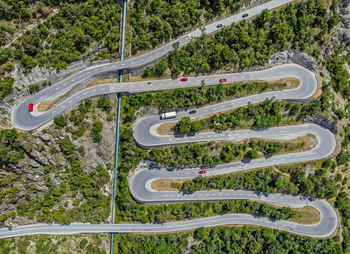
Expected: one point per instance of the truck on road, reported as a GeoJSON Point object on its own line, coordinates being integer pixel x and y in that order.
{"type": "Point", "coordinates": [168, 115]}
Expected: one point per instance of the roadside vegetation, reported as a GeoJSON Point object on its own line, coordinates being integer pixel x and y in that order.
{"type": "Point", "coordinates": [245, 239]}
{"type": "Point", "coordinates": [154, 22]}
{"type": "Point", "coordinates": [90, 24]}
{"type": "Point", "coordinates": [215, 153]}
{"type": "Point", "coordinates": [288, 179]}
{"type": "Point", "coordinates": [184, 98]}
{"type": "Point", "coordinates": [267, 114]}
{"type": "Point", "coordinates": [303, 26]}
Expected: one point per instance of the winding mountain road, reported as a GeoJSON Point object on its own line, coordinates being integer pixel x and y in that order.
{"type": "Point", "coordinates": [146, 136]}
{"type": "Point", "coordinates": [22, 119]}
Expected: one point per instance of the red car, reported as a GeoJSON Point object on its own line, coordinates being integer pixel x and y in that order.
{"type": "Point", "coordinates": [202, 172]}
{"type": "Point", "coordinates": [183, 79]}
{"type": "Point", "coordinates": [223, 80]}
{"type": "Point", "coordinates": [30, 107]}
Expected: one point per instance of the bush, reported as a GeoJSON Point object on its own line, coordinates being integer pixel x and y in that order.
{"type": "Point", "coordinates": [6, 85]}
{"type": "Point", "coordinates": [343, 157]}
{"type": "Point", "coordinates": [104, 103]}
{"type": "Point", "coordinates": [96, 131]}
{"type": "Point", "coordinates": [5, 54]}
{"type": "Point", "coordinates": [252, 154]}
{"type": "Point", "coordinates": [60, 121]}
{"type": "Point", "coordinates": [34, 88]}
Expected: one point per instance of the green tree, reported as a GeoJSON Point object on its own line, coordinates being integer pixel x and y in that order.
{"type": "Point", "coordinates": [28, 62]}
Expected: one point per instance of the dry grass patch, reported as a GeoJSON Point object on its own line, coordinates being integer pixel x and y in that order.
{"type": "Point", "coordinates": [167, 184]}
{"type": "Point", "coordinates": [102, 81]}
{"type": "Point", "coordinates": [165, 129]}
{"type": "Point", "coordinates": [286, 83]}
{"type": "Point", "coordinates": [45, 105]}
{"type": "Point", "coordinates": [326, 3]}
{"type": "Point", "coordinates": [306, 215]}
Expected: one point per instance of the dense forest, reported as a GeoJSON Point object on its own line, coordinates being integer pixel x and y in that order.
{"type": "Point", "coordinates": [49, 44]}
{"type": "Point", "coordinates": [154, 21]}
{"type": "Point", "coordinates": [245, 239]}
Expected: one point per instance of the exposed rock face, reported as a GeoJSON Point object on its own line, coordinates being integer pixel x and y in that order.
{"type": "Point", "coordinates": [292, 56]}
{"type": "Point", "coordinates": [45, 137]}
{"type": "Point", "coordinates": [41, 187]}
{"type": "Point", "coordinates": [25, 78]}
{"type": "Point", "coordinates": [343, 29]}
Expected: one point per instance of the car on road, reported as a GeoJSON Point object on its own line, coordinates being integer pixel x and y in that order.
{"type": "Point", "coordinates": [183, 79]}
{"type": "Point", "coordinates": [219, 26]}
{"type": "Point", "coordinates": [202, 172]}
{"type": "Point", "coordinates": [148, 83]}
{"type": "Point", "coordinates": [223, 80]}
{"type": "Point", "coordinates": [193, 112]}
{"type": "Point", "coordinates": [176, 43]}
{"type": "Point", "coordinates": [30, 107]}
{"type": "Point", "coordinates": [245, 15]}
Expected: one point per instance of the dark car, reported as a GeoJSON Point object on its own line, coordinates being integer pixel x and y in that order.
{"type": "Point", "coordinates": [219, 26]}
{"type": "Point", "coordinates": [245, 15]}
{"type": "Point", "coordinates": [193, 111]}
{"type": "Point", "coordinates": [30, 107]}
{"type": "Point", "coordinates": [176, 43]}
{"type": "Point", "coordinates": [148, 83]}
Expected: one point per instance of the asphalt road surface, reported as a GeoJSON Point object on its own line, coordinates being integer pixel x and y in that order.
{"type": "Point", "coordinates": [145, 135]}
